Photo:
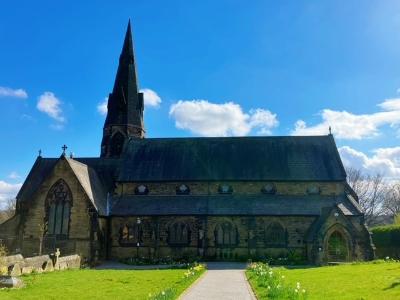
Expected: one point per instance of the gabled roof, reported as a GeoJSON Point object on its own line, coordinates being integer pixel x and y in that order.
{"type": "Point", "coordinates": [288, 158]}
{"type": "Point", "coordinates": [227, 205]}
{"type": "Point", "coordinates": [91, 184]}
{"type": "Point", "coordinates": [95, 175]}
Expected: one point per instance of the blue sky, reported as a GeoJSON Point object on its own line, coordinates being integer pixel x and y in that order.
{"type": "Point", "coordinates": [209, 67]}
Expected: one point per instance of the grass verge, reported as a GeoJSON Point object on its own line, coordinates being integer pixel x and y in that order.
{"type": "Point", "coordinates": [374, 280]}
{"type": "Point", "coordinates": [103, 284]}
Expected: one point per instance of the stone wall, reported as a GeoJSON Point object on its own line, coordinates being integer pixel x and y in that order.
{"type": "Point", "coordinates": [250, 233]}
{"type": "Point", "coordinates": [17, 265]}
{"type": "Point", "coordinates": [34, 214]}
{"type": "Point", "coordinates": [239, 187]}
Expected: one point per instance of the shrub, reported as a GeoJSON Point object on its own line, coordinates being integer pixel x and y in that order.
{"type": "Point", "coordinates": [387, 240]}
{"type": "Point", "coordinates": [3, 250]}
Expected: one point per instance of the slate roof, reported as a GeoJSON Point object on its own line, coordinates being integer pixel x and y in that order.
{"type": "Point", "coordinates": [91, 184]}
{"type": "Point", "coordinates": [224, 159]}
{"type": "Point", "coordinates": [227, 205]}
{"type": "Point", "coordinates": [289, 158]}
{"type": "Point", "coordinates": [95, 175]}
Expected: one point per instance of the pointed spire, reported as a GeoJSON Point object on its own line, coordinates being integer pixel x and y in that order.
{"type": "Point", "coordinates": [124, 99]}
{"type": "Point", "coordinates": [125, 102]}
{"type": "Point", "coordinates": [127, 48]}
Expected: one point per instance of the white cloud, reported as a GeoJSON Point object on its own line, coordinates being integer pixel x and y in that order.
{"type": "Point", "coordinates": [51, 105]}
{"type": "Point", "coordinates": [264, 120]}
{"type": "Point", "coordinates": [228, 119]}
{"type": "Point", "coordinates": [8, 191]}
{"type": "Point", "coordinates": [9, 92]}
{"type": "Point", "coordinates": [390, 104]}
{"type": "Point", "coordinates": [102, 107]}
{"type": "Point", "coordinates": [151, 98]}
{"type": "Point", "coordinates": [385, 161]}
{"type": "Point", "coordinates": [14, 175]}
{"type": "Point", "coordinates": [346, 125]}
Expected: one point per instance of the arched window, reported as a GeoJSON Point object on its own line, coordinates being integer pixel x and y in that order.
{"type": "Point", "coordinates": [117, 142]}
{"type": "Point", "coordinates": [226, 234]}
{"type": "Point", "coordinates": [58, 206]}
{"type": "Point", "coordinates": [337, 247]}
{"type": "Point", "coordinates": [275, 235]}
{"type": "Point", "coordinates": [178, 234]}
{"type": "Point", "coordinates": [131, 234]}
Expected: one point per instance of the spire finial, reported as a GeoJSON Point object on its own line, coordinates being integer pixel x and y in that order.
{"type": "Point", "coordinates": [40, 153]}
{"type": "Point", "coordinates": [127, 48]}
{"type": "Point", "coordinates": [330, 130]}
{"type": "Point", "coordinates": [64, 148]}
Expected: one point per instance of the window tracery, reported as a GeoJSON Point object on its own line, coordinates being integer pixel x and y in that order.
{"type": "Point", "coordinates": [275, 235]}
{"type": "Point", "coordinates": [179, 234]}
{"type": "Point", "coordinates": [58, 207]}
{"type": "Point", "coordinates": [226, 234]}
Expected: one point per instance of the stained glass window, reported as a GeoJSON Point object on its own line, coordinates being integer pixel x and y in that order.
{"type": "Point", "coordinates": [178, 234]}
{"type": "Point", "coordinates": [226, 234]}
{"type": "Point", "coordinates": [58, 205]}
{"type": "Point", "coordinates": [275, 235]}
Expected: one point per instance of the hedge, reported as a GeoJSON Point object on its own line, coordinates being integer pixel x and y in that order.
{"type": "Point", "coordinates": [387, 241]}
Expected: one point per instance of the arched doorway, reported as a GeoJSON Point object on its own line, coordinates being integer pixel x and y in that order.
{"type": "Point", "coordinates": [337, 247]}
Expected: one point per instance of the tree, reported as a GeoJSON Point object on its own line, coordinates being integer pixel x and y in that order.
{"type": "Point", "coordinates": [371, 191]}
{"type": "Point", "coordinates": [8, 211]}
{"type": "Point", "coordinates": [391, 203]}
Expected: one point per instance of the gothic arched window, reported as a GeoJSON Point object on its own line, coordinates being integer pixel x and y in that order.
{"type": "Point", "coordinates": [58, 205]}
{"type": "Point", "coordinates": [117, 142]}
{"type": "Point", "coordinates": [178, 234]}
{"type": "Point", "coordinates": [131, 234]}
{"type": "Point", "coordinates": [226, 234]}
{"type": "Point", "coordinates": [275, 235]}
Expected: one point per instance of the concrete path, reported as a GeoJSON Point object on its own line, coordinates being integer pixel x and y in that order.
{"type": "Point", "coordinates": [222, 281]}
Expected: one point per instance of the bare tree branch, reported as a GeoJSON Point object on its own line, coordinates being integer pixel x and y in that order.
{"type": "Point", "coordinates": [371, 191]}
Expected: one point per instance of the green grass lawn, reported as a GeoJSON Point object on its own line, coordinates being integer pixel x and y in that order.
{"type": "Point", "coordinates": [357, 281]}
{"type": "Point", "coordinates": [99, 284]}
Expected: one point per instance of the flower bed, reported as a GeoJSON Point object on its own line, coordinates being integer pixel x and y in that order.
{"type": "Point", "coordinates": [270, 283]}
{"type": "Point", "coordinates": [188, 278]}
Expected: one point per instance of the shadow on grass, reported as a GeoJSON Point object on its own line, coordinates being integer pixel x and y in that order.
{"type": "Point", "coordinates": [297, 267]}
{"type": "Point", "coordinates": [393, 285]}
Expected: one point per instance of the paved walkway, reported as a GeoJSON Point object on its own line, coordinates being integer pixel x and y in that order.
{"type": "Point", "coordinates": [222, 281]}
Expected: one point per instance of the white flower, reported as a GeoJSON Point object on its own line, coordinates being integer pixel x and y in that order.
{"type": "Point", "coordinates": [295, 290]}
{"type": "Point", "coordinates": [163, 293]}
{"type": "Point", "coordinates": [303, 291]}
{"type": "Point", "coordinates": [283, 276]}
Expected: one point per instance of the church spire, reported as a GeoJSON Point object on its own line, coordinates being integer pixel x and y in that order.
{"type": "Point", "coordinates": [125, 103]}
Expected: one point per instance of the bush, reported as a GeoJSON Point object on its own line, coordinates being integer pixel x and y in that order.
{"type": "Point", "coordinates": [3, 250]}
{"type": "Point", "coordinates": [387, 241]}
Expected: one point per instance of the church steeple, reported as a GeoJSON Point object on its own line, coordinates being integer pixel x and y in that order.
{"type": "Point", "coordinates": [125, 104]}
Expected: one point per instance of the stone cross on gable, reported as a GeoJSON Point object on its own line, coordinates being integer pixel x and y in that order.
{"type": "Point", "coordinates": [64, 148]}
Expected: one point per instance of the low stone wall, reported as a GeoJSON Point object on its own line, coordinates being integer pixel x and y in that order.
{"type": "Point", "coordinates": [68, 262]}
{"type": "Point", "coordinates": [17, 265]}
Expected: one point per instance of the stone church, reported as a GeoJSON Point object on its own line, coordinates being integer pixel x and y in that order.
{"type": "Point", "coordinates": [217, 198]}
